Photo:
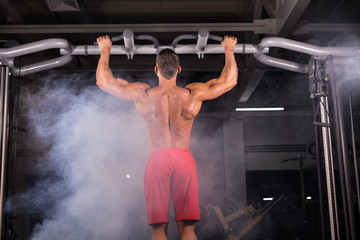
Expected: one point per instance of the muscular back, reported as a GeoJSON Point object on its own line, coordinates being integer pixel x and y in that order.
{"type": "Point", "coordinates": [169, 114]}
{"type": "Point", "coordinates": [168, 110]}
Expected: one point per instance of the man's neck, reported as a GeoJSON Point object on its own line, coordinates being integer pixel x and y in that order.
{"type": "Point", "coordinates": [167, 82]}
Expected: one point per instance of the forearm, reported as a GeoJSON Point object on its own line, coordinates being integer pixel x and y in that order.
{"type": "Point", "coordinates": [229, 73]}
{"type": "Point", "coordinates": [103, 72]}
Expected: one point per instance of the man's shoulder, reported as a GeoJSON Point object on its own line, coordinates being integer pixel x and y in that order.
{"type": "Point", "coordinates": [153, 89]}
{"type": "Point", "coordinates": [139, 85]}
{"type": "Point", "coordinates": [194, 85]}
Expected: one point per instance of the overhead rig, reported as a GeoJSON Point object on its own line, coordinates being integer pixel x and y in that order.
{"type": "Point", "coordinates": [201, 47]}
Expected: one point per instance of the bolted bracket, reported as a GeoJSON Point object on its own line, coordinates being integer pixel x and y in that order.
{"type": "Point", "coordinates": [318, 77]}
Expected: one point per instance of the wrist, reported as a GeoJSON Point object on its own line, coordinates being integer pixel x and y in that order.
{"type": "Point", "coordinates": [105, 50]}
{"type": "Point", "coordinates": [229, 51]}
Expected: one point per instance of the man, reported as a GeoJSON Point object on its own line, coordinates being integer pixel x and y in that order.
{"type": "Point", "coordinates": [169, 112]}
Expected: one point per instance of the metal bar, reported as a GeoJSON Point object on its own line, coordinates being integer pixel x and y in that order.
{"type": "Point", "coordinates": [338, 145]}
{"type": "Point", "coordinates": [145, 37]}
{"type": "Point", "coordinates": [182, 37]}
{"type": "Point", "coordinates": [67, 48]}
{"type": "Point", "coordinates": [272, 204]}
{"type": "Point", "coordinates": [307, 48]}
{"type": "Point", "coordinates": [36, 47]}
{"type": "Point", "coordinates": [251, 85]}
{"type": "Point", "coordinates": [2, 87]}
{"type": "Point", "coordinates": [4, 138]}
{"type": "Point", "coordinates": [288, 15]}
{"type": "Point", "coordinates": [130, 49]}
{"type": "Point", "coordinates": [41, 66]}
{"type": "Point", "coordinates": [203, 36]}
{"type": "Point", "coordinates": [258, 26]}
{"type": "Point", "coordinates": [162, 7]}
{"type": "Point", "coordinates": [149, 49]}
{"type": "Point", "coordinates": [333, 175]}
{"type": "Point", "coordinates": [345, 159]}
{"type": "Point", "coordinates": [281, 63]}
{"type": "Point", "coordinates": [318, 164]}
{"type": "Point", "coordinates": [14, 88]}
{"type": "Point", "coordinates": [298, 47]}
{"type": "Point", "coordinates": [9, 62]}
{"type": "Point", "coordinates": [129, 43]}
{"type": "Point", "coordinates": [301, 169]}
{"type": "Point", "coordinates": [326, 144]}
{"type": "Point", "coordinates": [354, 145]}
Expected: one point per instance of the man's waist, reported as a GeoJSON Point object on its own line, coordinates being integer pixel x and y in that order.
{"type": "Point", "coordinates": [170, 149]}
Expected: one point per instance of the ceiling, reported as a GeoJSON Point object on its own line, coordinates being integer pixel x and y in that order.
{"type": "Point", "coordinates": [319, 22]}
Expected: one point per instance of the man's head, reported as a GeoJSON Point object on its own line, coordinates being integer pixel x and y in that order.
{"type": "Point", "coordinates": [167, 63]}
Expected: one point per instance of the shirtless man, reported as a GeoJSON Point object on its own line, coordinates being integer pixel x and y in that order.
{"type": "Point", "coordinates": [169, 112]}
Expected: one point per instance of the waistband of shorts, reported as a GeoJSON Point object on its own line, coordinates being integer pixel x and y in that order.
{"type": "Point", "coordinates": [164, 150]}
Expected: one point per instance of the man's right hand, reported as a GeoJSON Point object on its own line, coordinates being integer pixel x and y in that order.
{"type": "Point", "coordinates": [104, 43]}
{"type": "Point", "coordinates": [229, 43]}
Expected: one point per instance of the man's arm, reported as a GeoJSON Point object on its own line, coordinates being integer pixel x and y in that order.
{"type": "Point", "coordinates": [115, 86]}
{"type": "Point", "coordinates": [227, 80]}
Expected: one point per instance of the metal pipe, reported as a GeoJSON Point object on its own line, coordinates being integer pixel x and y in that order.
{"type": "Point", "coordinates": [2, 87]}
{"type": "Point", "coordinates": [318, 164]}
{"type": "Point", "coordinates": [281, 63]}
{"type": "Point", "coordinates": [41, 66]}
{"type": "Point", "coordinates": [326, 144]}
{"type": "Point", "coordinates": [298, 47]}
{"type": "Point", "coordinates": [203, 36]}
{"type": "Point", "coordinates": [338, 145]}
{"type": "Point", "coordinates": [307, 48]}
{"type": "Point", "coordinates": [333, 175]}
{"type": "Point", "coordinates": [260, 26]}
{"type": "Point", "coordinates": [129, 43]}
{"type": "Point", "coordinates": [67, 48]}
{"type": "Point", "coordinates": [182, 37]}
{"type": "Point", "coordinates": [150, 38]}
{"type": "Point", "coordinates": [37, 46]}
{"type": "Point", "coordinates": [354, 146]}
{"type": "Point", "coordinates": [302, 183]}
{"type": "Point", "coordinates": [345, 159]}
{"type": "Point", "coordinates": [201, 47]}
{"type": "Point", "coordinates": [4, 139]}
{"type": "Point", "coordinates": [9, 62]}
{"type": "Point", "coordinates": [149, 49]}
{"type": "Point", "coordinates": [216, 38]}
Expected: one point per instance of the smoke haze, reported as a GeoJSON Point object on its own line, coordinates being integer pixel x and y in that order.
{"type": "Point", "coordinates": [98, 152]}
{"type": "Point", "coordinates": [91, 177]}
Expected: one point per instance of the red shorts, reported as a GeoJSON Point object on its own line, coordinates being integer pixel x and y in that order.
{"type": "Point", "coordinates": [171, 172]}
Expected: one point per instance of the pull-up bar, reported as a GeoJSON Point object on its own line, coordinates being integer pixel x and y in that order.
{"type": "Point", "coordinates": [200, 48]}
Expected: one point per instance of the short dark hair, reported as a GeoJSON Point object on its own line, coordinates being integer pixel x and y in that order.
{"type": "Point", "coordinates": [168, 62]}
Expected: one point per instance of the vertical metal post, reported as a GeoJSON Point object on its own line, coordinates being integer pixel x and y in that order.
{"type": "Point", "coordinates": [345, 174]}
{"type": "Point", "coordinates": [318, 162]}
{"type": "Point", "coordinates": [2, 87]}
{"type": "Point", "coordinates": [326, 137]}
{"type": "Point", "coordinates": [333, 176]}
{"type": "Point", "coordinates": [301, 169]}
{"type": "Point", "coordinates": [354, 147]}
{"type": "Point", "coordinates": [4, 136]}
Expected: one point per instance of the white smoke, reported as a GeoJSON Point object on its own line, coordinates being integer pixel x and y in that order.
{"type": "Point", "coordinates": [347, 68]}
{"type": "Point", "coordinates": [98, 153]}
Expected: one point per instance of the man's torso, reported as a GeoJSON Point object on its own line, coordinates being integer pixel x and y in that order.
{"type": "Point", "coordinates": [169, 114]}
